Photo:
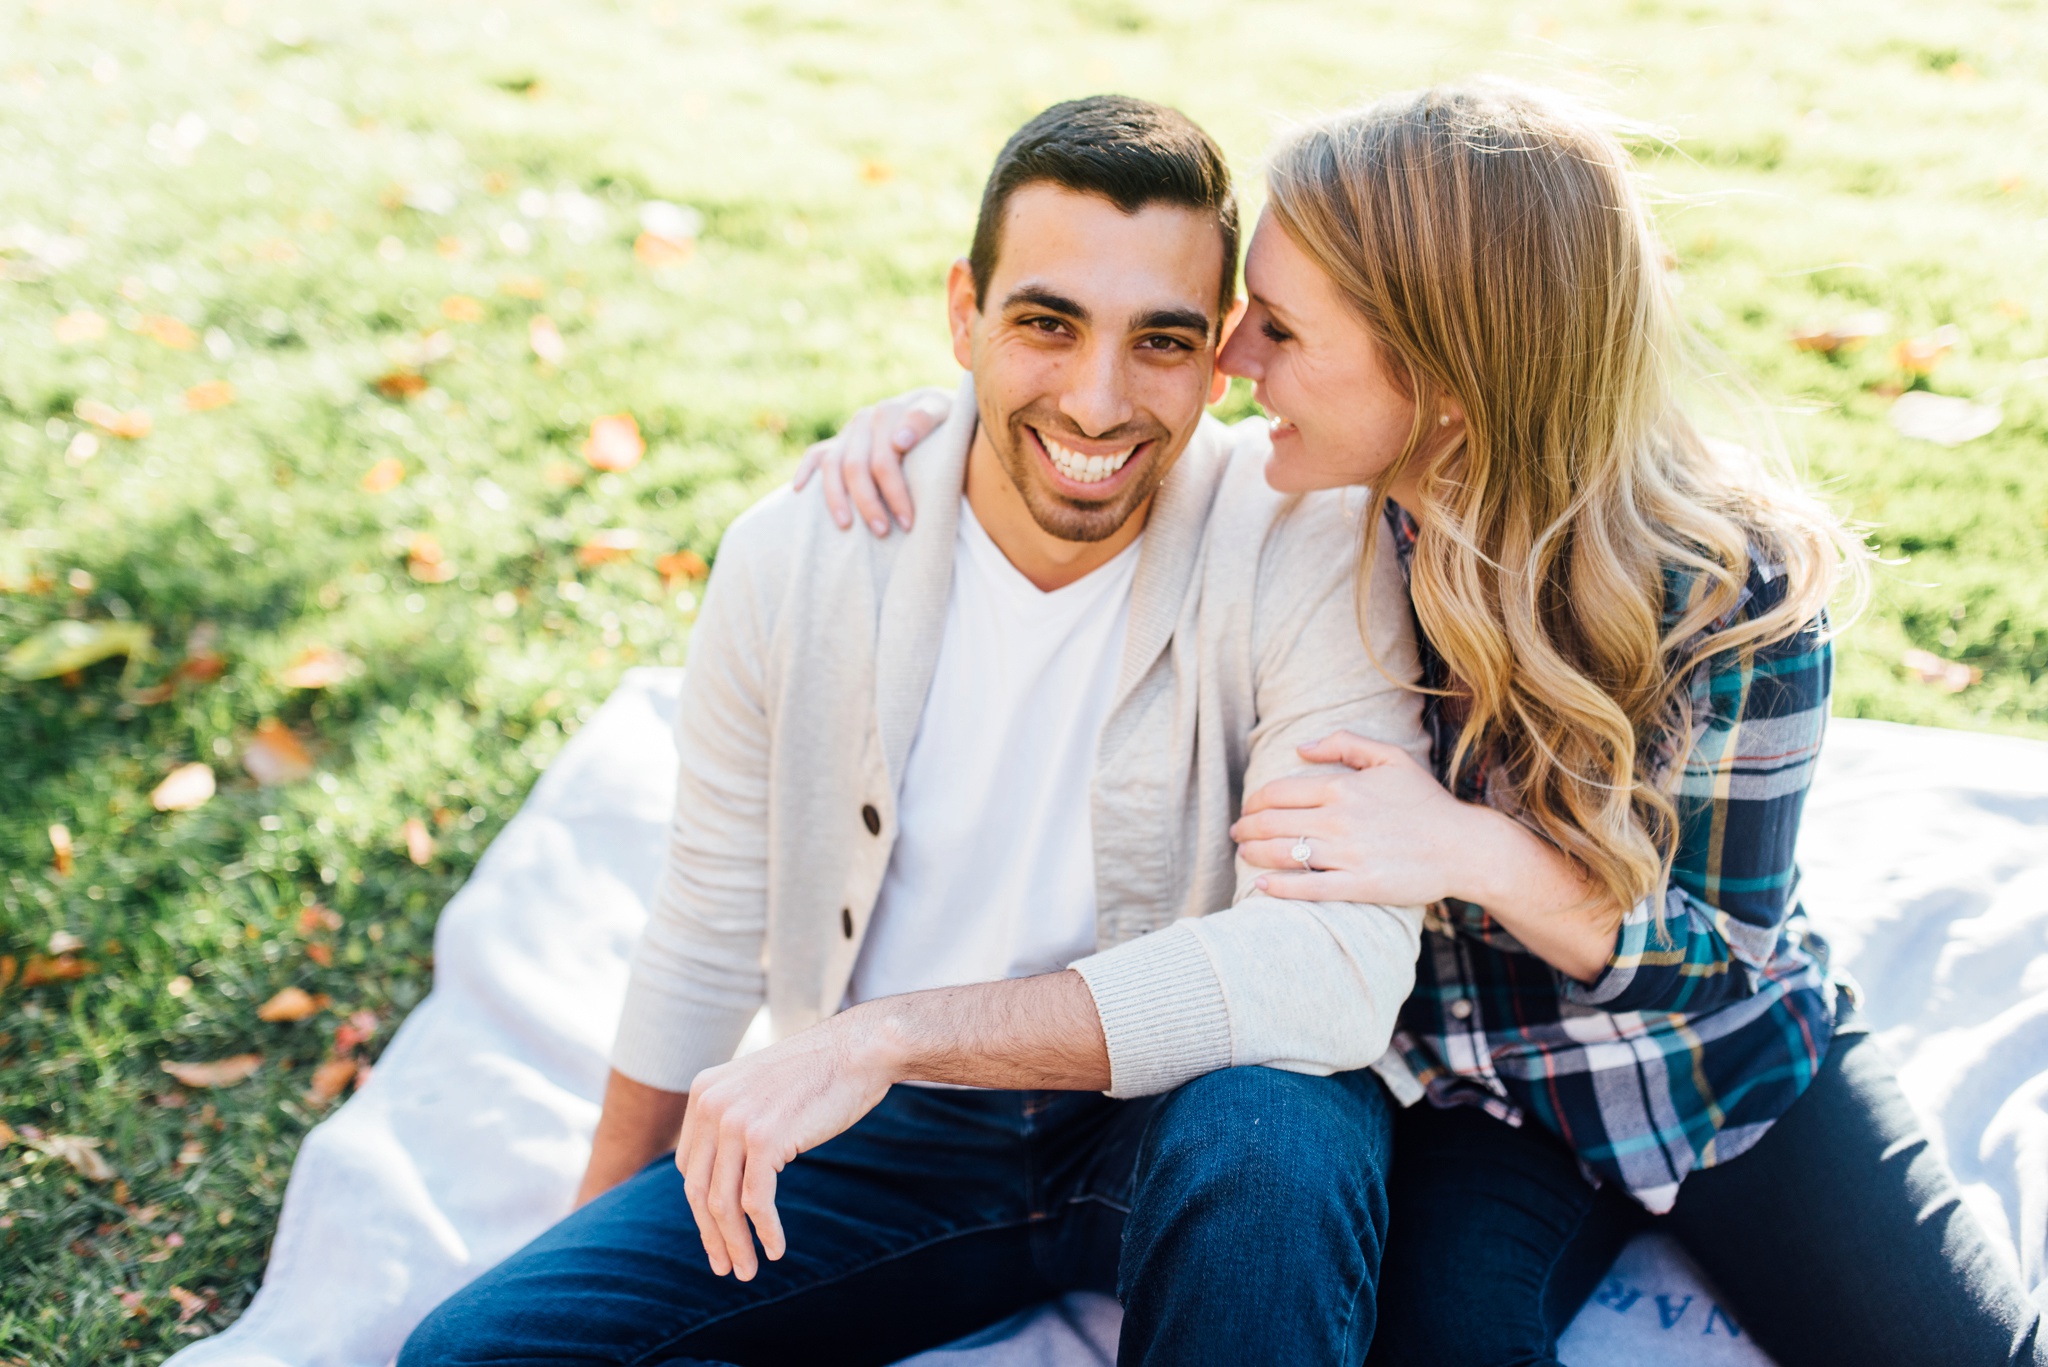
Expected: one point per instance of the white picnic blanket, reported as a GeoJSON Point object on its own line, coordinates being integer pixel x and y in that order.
{"type": "Point", "coordinates": [1926, 855]}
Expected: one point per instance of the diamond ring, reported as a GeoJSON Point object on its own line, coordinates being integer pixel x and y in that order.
{"type": "Point", "coordinates": [1300, 853]}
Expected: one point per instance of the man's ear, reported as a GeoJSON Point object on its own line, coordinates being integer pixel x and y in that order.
{"type": "Point", "coordinates": [1219, 383]}
{"type": "Point", "coordinates": [961, 311]}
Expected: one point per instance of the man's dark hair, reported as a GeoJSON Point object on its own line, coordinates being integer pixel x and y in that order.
{"type": "Point", "coordinates": [1131, 152]}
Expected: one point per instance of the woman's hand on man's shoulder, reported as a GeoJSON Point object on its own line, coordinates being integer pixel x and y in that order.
{"type": "Point", "coordinates": [860, 467]}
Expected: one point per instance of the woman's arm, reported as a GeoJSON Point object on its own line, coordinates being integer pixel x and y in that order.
{"type": "Point", "coordinates": [1390, 830]}
{"type": "Point", "coordinates": [860, 467]}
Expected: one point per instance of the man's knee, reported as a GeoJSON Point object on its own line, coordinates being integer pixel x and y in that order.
{"type": "Point", "coordinates": [1259, 1144]}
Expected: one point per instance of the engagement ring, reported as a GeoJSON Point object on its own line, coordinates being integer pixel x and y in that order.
{"type": "Point", "coordinates": [1300, 853]}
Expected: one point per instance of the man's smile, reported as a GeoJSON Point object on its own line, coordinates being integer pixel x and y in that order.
{"type": "Point", "coordinates": [1091, 469]}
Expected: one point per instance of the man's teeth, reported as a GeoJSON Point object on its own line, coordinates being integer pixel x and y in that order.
{"type": "Point", "coordinates": [1084, 469]}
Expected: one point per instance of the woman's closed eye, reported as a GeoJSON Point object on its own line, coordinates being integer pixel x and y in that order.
{"type": "Point", "coordinates": [1274, 332]}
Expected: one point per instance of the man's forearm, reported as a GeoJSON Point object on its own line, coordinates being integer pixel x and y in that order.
{"type": "Point", "coordinates": [638, 1124]}
{"type": "Point", "coordinates": [1038, 1033]}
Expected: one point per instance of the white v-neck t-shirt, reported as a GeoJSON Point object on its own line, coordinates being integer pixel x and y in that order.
{"type": "Point", "coordinates": [993, 872]}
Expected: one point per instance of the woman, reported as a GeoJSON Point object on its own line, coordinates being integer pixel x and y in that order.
{"type": "Point", "coordinates": [1620, 1018]}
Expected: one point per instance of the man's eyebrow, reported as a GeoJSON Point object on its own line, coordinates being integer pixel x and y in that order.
{"type": "Point", "coordinates": [1037, 296]}
{"type": "Point", "coordinates": [1185, 320]}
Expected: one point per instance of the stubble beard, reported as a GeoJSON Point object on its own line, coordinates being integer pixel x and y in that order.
{"type": "Point", "coordinates": [1069, 519]}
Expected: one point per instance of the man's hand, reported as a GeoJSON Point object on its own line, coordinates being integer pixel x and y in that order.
{"type": "Point", "coordinates": [748, 1118]}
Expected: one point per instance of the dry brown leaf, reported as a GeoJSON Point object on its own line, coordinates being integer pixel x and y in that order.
{"type": "Point", "coordinates": [318, 917]}
{"type": "Point", "coordinates": [329, 1079]}
{"type": "Point", "coordinates": [316, 667]}
{"type": "Point", "coordinates": [616, 543]}
{"type": "Point", "coordinates": [1846, 335]}
{"type": "Point", "coordinates": [384, 476]}
{"type": "Point", "coordinates": [275, 756]}
{"type": "Point", "coordinates": [419, 842]}
{"type": "Point", "coordinates": [292, 1004]}
{"type": "Point", "coordinates": [658, 252]}
{"type": "Point", "coordinates": [523, 286]}
{"type": "Point", "coordinates": [680, 565]}
{"type": "Point", "coordinates": [461, 308]}
{"type": "Point", "coordinates": [320, 954]}
{"type": "Point", "coordinates": [185, 787]}
{"type": "Point", "coordinates": [546, 339]}
{"type": "Point", "coordinates": [205, 397]}
{"type": "Point", "coordinates": [152, 695]}
{"type": "Point", "coordinates": [359, 1028]}
{"type": "Point", "coordinates": [226, 1072]}
{"type": "Point", "coordinates": [7, 1135]}
{"type": "Point", "coordinates": [7, 967]}
{"type": "Point", "coordinates": [190, 1304]}
{"type": "Point", "coordinates": [427, 562]}
{"type": "Point", "coordinates": [1950, 676]}
{"type": "Point", "coordinates": [81, 1152]}
{"type": "Point", "coordinates": [59, 968]}
{"type": "Point", "coordinates": [400, 384]}
{"type": "Point", "coordinates": [1920, 355]}
{"type": "Point", "coordinates": [161, 327]}
{"type": "Point", "coordinates": [877, 172]}
{"type": "Point", "coordinates": [132, 425]}
{"type": "Point", "coordinates": [79, 327]}
{"type": "Point", "coordinates": [614, 443]}
{"type": "Point", "coordinates": [61, 853]}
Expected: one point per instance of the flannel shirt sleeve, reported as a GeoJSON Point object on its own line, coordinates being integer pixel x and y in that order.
{"type": "Point", "coordinates": [1706, 938]}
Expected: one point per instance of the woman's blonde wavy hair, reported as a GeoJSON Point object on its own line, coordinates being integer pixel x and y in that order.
{"type": "Point", "coordinates": [1495, 242]}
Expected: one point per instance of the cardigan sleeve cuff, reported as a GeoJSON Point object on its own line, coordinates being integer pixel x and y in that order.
{"type": "Point", "coordinates": [665, 1042]}
{"type": "Point", "coordinates": [1164, 1016]}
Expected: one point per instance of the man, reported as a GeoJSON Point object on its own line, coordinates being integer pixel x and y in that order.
{"type": "Point", "coordinates": [955, 804]}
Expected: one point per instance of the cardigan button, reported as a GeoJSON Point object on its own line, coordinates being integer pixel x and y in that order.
{"type": "Point", "coordinates": [1462, 1009]}
{"type": "Point", "coordinates": [846, 921]}
{"type": "Point", "coordinates": [871, 819]}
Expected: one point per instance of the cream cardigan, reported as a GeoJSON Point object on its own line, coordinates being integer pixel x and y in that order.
{"type": "Point", "coordinates": [807, 673]}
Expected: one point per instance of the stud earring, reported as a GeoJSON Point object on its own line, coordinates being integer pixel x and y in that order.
{"type": "Point", "coordinates": [1443, 420]}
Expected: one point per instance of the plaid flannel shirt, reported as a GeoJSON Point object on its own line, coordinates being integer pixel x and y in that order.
{"type": "Point", "coordinates": [1716, 1007]}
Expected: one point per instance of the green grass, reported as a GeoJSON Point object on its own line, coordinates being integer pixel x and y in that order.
{"type": "Point", "coordinates": [362, 164]}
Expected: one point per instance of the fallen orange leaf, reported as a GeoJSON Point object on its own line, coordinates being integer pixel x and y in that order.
{"type": "Point", "coordinates": [400, 384]}
{"type": "Point", "coordinates": [60, 849]}
{"type": "Point", "coordinates": [275, 756]}
{"type": "Point", "coordinates": [320, 954]}
{"type": "Point", "coordinates": [419, 844]}
{"type": "Point", "coordinates": [79, 327]}
{"type": "Point", "coordinates": [461, 308]}
{"type": "Point", "coordinates": [212, 394]}
{"type": "Point", "coordinates": [316, 667]}
{"type": "Point", "coordinates": [657, 252]}
{"type": "Point", "coordinates": [226, 1072]}
{"type": "Point", "coordinates": [161, 327]}
{"type": "Point", "coordinates": [61, 968]}
{"type": "Point", "coordinates": [1920, 355]}
{"type": "Point", "coordinates": [427, 562]}
{"type": "Point", "coordinates": [185, 787]}
{"type": "Point", "coordinates": [329, 1079]}
{"type": "Point", "coordinates": [318, 917]}
{"type": "Point", "coordinates": [1950, 676]}
{"type": "Point", "coordinates": [189, 1304]}
{"type": "Point", "coordinates": [384, 476]}
{"type": "Point", "coordinates": [679, 565]}
{"type": "Point", "coordinates": [360, 1027]}
{"type": "Point", "coordinates": [132, 425]}
{"type": "Point", "coordinates": [292, 1004]}
{"type": "Point", "coordinates": [877, 172]}
{"type": "Point", "coordinates": [523, 286]}
{"type": "Point", "coordinates": [7, 967]}
{"type": "Point", "coordinates": [617, 543]}
{"type": "Point", "coordinates": [614, 443]}
{"type": "Point", "coordinates": [546, 339]}
{"type": "Point", "coordinates": [82, 1153]}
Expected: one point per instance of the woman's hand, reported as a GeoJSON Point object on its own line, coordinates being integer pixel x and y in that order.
{"type": "Point", "coordinates": [861, 466]}
{"type": "Point", "coordinates": [1387, 832]}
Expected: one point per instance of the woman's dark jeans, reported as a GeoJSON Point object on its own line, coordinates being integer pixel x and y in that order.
{"type": "Point", "coordinates": [1239, 1219]}
{"type": "Point", "coordinates": [1841, 1237]}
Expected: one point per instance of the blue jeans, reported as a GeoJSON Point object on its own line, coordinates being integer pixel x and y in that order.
{"type": "Point", "coordinates": [1239, 1219]}
{"type": "Point", "coordinates": [1841, 1237]}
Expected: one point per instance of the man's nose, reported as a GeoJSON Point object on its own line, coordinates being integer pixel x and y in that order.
{"type": "Point", "coordinates": [1099, 399]}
